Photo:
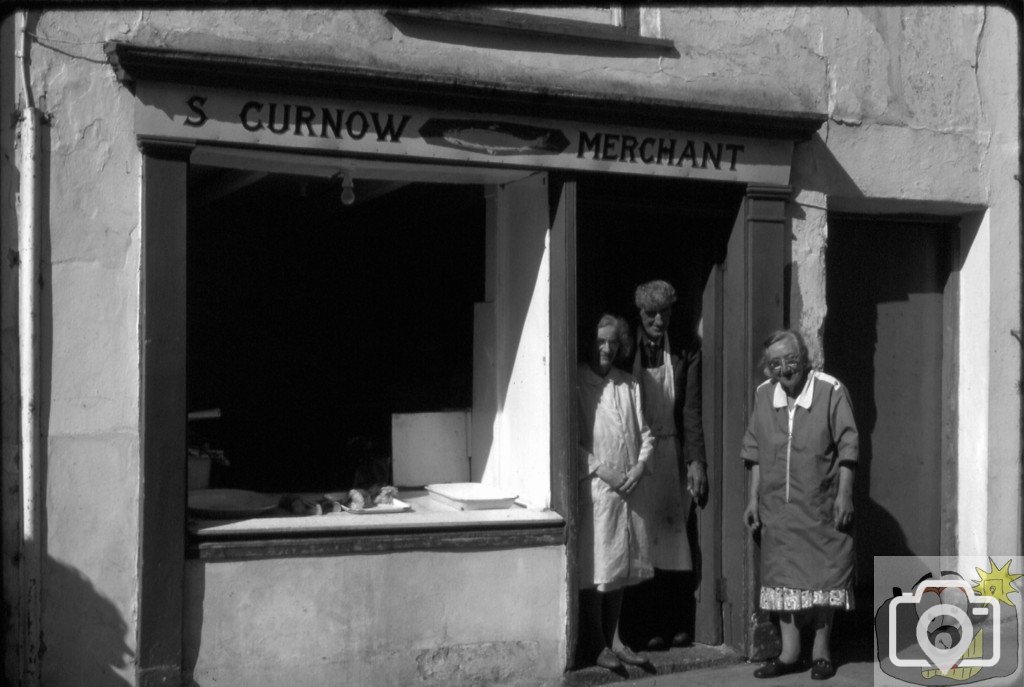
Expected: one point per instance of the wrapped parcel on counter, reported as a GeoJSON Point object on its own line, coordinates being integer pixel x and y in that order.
{"type": "Point", "coordinates": [471, 495]}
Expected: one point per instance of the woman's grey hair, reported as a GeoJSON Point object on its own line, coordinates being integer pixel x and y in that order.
{"type": "Point", "coordinates": [782, 335]}
{"type": "Point", "coordinates": [654, 295]}
{"type": "Point", "coordinates": [621, 331]}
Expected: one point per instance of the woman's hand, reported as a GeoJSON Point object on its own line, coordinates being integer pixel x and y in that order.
{"type": "Point", "coordinates": [842, 511]}
{"type": "Point", "coordinates": [613, 478]}
{"type": "Point", "coordinates": [632, 478]}
{"type": "Point", "coordinates": [750, 516]}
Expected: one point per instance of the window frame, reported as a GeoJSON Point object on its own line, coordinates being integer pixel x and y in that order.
{"type": "Point", "coordinates": [522, 24]}
{"type": "Point", "coordinates": [166, 530]}
{"type": "Point", "coordinates": [166, 539]}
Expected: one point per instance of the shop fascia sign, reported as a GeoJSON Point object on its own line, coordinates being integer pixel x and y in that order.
{"type": "Point", "coordinates": [377, 129]}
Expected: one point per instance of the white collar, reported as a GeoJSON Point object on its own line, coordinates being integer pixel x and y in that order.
{"type": "Point", "coordinates": [805, 397]}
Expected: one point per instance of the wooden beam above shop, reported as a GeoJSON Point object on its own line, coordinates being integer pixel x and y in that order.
{"type": "Point", "coordinates": [133, 63]}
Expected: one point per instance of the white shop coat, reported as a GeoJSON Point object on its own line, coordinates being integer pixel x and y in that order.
{"type": "Point", "coordinates": [614, 544]}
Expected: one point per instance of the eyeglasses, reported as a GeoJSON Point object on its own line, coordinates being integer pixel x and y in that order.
{"type": "Point", "coordinates": [776, 364]}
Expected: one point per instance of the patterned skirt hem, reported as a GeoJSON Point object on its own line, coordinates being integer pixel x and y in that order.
{"type": "Point", "coordinates": [787, 599]}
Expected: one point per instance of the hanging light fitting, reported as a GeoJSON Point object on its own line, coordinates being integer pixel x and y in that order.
{"type": "Point", "coordinates": [348, 194]}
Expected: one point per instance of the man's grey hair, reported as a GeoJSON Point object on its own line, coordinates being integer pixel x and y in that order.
{"type": "Point", "coordinates": [655, 295]}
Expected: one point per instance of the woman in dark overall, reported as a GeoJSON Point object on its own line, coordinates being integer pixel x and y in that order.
{"type": "Point", "coordinates": [801, 447]}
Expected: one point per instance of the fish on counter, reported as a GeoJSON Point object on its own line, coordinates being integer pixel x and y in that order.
{"type": "Point", "coordinates": [338, 501]}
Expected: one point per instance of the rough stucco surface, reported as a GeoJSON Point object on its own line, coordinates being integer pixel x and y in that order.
{"type": "Point", "coordinates": [923, 106]}
{"type": "Point", "coordinates": [809, 226]}
{"type": "Point", "coordinates": [905, 125]}
{"type": "Point", "coordinates": [90, 357]}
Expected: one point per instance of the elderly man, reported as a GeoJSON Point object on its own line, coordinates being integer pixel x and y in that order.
{"type": "Point", "coordinates": [670, 380]}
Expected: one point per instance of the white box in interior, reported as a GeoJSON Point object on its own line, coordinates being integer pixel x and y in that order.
{"type": "Point", "coordinates": [430, 447]}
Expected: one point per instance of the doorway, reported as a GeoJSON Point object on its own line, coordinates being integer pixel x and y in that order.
{"type": "Point", "coordinates": [887, 337]}
{"type": "Point", "coordinates": [634, 229]}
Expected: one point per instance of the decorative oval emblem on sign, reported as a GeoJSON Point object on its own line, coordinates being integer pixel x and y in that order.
{"type": "Point", "coordinates": [493, 138]}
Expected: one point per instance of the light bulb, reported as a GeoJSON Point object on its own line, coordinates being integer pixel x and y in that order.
{"type": "Point", "coordinates": [348, 195]}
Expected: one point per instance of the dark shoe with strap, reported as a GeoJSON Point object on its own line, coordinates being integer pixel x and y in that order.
{"type": "Point", "coordinates": [656, 644]}
{"type": "Point", "coordinates": [627, 655]}
{"type": "Point", "coordinates": [822, 669]}
{"type": "Point", "coordinates": [775, 668]}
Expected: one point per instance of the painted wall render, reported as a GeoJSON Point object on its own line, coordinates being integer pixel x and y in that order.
{"type": "Point", "coordinates": [409, 618]}
{"type": "Point", "coordinates": [1001, 108]}
{"type": "Point", "coordinates": [922, 118]}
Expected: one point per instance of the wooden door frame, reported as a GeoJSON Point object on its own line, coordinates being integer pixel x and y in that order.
{"type": "Point", "coordinates": [564, 430]}
{"type": "Point", "coordinates": [162, 525]}
{"type": "Point", "coordinates": [744, 300]}
{"type": "Point", "coordinates": [749, 289]}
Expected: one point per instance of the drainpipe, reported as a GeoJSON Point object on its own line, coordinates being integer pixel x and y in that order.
{"type": "Point", "coordinates": [28, 362]}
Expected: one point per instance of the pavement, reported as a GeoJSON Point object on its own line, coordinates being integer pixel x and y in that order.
{"type": "Point", "coordinates": [742, 675]}
{"type": "Point", "coordinates": [701, 665]}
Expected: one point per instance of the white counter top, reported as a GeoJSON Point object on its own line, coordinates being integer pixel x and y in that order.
{"type": "Point", "coordinates": [426, 512]}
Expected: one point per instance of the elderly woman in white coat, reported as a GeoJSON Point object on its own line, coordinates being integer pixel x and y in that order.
{"type": "Point", "coordinates": [615, 448]}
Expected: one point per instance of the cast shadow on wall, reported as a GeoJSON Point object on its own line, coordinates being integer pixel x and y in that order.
{"type": "Point", "coordinates": [883, 338]}
{"type": "Point", "coordinates": [84, 631]}
{"type": "Point", "coordinates": [90, 628]}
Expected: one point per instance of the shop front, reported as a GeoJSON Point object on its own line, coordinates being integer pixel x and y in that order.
{"type": "Point", "coordinates": [332, 253]}
{"type": "Point", "coordinates": [289, 253]}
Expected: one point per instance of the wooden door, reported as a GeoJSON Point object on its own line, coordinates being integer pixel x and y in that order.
{"type": "Point", "coordinates": [888, 289]}
{"type": "Point", "coordinates": [750, 286]}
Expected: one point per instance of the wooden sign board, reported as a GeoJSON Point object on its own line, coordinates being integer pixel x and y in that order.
{"type": "Point", "coordinates": [367, 129]}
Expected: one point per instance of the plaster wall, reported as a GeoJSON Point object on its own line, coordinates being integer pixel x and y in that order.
{"type": "Point", "coordinates": [923, 105]}
{"type": "Point", "coordinates": [434, 618]}
{"type": "Point", "coordinates": [90, 368]}
{"type": "Point", "coordinates": [936, 132]}
{"type": "Point", "coordinates": [999, 53]}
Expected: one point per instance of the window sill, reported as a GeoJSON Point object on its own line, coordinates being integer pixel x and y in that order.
{"type": "Point", "coordinates": [522, 24]}
{"type": "Point", "coordinates": [429, 525]}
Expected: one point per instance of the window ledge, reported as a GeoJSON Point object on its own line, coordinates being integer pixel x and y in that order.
{"type": "Point", "coordinates": [429, 525]}
{"type": "Point", "coordinates": [520, 24]}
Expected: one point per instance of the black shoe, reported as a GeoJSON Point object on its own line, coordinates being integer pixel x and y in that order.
{"type": "Point", "coordinates": [656, 644]}
{"type": "Point", "coordinates": [822, 669]}
{"type": "Point", "coordinates": [681, 639]}
{"type": "Point", "coordinates": [775, 668]}
{"type": "Point", "coordinates": [607, 659]}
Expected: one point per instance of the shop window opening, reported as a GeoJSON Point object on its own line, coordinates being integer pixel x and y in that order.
{"type": "Point", "coordinates": [347, 332]}
{"type": "Point", "coordinates": [311, 322]}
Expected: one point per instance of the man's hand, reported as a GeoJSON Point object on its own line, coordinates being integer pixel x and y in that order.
{"type": "Point", "coordinates": [632, 478]}
{"type": "Point", "coordinates": [842, 511]}
{"type": "Point", "coordinates": [750, 516]}
{"type": "Point", "coordinates": [697, 481]}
